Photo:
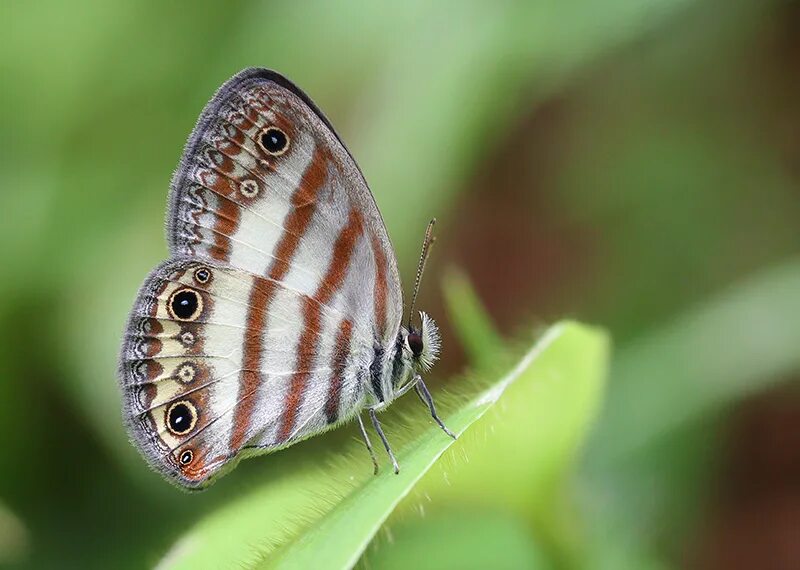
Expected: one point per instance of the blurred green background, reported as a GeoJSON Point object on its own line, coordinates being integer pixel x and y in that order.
{"type": "Point", "coordinates": [630, 163]}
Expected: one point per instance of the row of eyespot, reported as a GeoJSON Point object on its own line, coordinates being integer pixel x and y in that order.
{"type": "Point", "coordinates": [186, 305]}
{"type": "Point", "coordinates": [181, 417]}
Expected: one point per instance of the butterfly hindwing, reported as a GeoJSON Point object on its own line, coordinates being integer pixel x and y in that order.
{"type": "Point", "coordinates": [184, 355]}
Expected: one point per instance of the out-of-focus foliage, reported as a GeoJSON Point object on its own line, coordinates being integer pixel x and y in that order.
{"type": "Point", "coordinates": [631, 163]}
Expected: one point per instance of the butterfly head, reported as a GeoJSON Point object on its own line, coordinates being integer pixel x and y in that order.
{"type": "Point", "coordinates": [423, 344]}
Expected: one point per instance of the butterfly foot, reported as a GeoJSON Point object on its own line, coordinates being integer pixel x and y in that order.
{"type": "Point", "coordinates": [422, 391]}
{"type": "Point", "coordinates": [377, 425]}
{"type": "Point", "coordinates": [368, 443]}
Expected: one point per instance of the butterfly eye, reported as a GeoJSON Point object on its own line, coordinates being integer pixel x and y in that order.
{"type": "Point", "coordinates": [186, 457]}
{"type": "Point", "coordinates": [185, 305]}
{"type": "Point", "coordinates": [415, 343]}
{"type": "Point", "coordinates": [202, 275]}
{"type": "Point", "coordinates": [274, 141]}
{"type": "Point", "coordinates": [181, 417]}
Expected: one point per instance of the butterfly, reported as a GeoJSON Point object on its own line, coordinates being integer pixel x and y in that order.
{"type": "Point", "coordinates": [279, 314]}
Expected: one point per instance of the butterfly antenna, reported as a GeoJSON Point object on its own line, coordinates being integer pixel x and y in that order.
{"type": "Point", "coordinates": [423, 259]}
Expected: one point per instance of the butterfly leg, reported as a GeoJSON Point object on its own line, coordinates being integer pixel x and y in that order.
{"type": "Point", "coordinates": [422, 391]}
{"type": "Point", "coordinates": [368, 444]}
{"type": "Point", "coordinates": [377, 425]}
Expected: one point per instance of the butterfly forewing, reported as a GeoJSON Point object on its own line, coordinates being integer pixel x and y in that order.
{"type": "Point", "coordinates": [282, 298]}
{"type": "Point", "coordinates": [235, 202]}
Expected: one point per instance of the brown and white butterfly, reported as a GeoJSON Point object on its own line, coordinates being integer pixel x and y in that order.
{"type": "Point", "coordinates": [278, 315]}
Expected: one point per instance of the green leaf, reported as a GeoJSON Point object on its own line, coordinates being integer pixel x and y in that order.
{"type": "Point", "coordinates": [535, 439]}
{"type": "Point", "coordinates": [531, 442]}
{"type": "Point", "coordinates": [314, 517]}
{"type": "Point", "coordinates": [459, 538]}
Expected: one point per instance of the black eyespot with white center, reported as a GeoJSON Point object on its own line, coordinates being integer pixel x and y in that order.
{"type": "Point", "coordinates": [186, 457]}
{"type": "Point", "coordinates": [202, 275]}
{"type": "Point", "coordinates": [274, 141]}
{"type": "Point", "coordinates": [185, 304]}
{"type": "Point", "coordinates": [181, 417]}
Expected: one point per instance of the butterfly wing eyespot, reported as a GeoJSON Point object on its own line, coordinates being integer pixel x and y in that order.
{"type": "Point", "coordinates": [185, 304]}
{"type": "Point", "coordinates": [274, 141]}
{"type": "Point", "coordinates": [187, 338]}
{"type": "Point", "coordinates": [202, 275]}
{"type": "Point", "coordinates": [181, 417]}
{"type": "Point", "coordinates": [248, 188]}
{"type": "Point", "coordinates": [186, 457]}
{"type": "Point", "coordinates": [187, 372]}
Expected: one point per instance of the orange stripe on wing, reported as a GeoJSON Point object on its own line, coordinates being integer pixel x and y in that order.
{"type": "Point", "coordinates": [227, 214]}
{"type": "Point", "coordinates": [263, 292]}
{"type": "Point", "coordinates": [304, 202]}
{"type": "Point", "coordinates": [306, 350]}
{"type": "Point", "coordinates": [225, 224]}
{"type": "Point", "coordinates": [340, 354]}
{"type": "Point", "coordinates": [312, 315]}
{"type": "Point", "coordinates": [261, 296]}
{"type": "Point", "coordinates": [380, 290]}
